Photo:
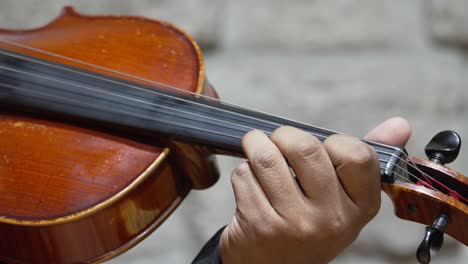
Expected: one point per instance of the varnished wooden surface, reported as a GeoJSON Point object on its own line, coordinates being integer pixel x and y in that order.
{"type": "Point", "coordinates": [73, 194]}
{"type": "Point", "coordinates": [50, 157]}
{"type": "Point", "coordinates": [423, 205]}
{"type": "Point", "coordinates": [49, 170]}
{"type": "Point", "coordinates": [139, 47]}
{"type": "Point", "coordinates": [462, 179]}
{"type": "Point", "coordinates": [104, 234]}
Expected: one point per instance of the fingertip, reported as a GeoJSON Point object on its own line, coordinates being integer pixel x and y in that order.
{"type": "Point", "coordinates": [337, 141]}
{"type": "Point", "coordinates": [254, 132]}
{"type": "Point", "coordinates": [394, 131]}
{"type": "Point", "coordinates": [401, 123]}
{"type": "Point", "coordinates": [241, 169]}
{"type": "Point", "coordinates": [251, 135]}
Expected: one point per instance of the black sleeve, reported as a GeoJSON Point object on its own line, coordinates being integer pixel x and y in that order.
{"type": "Point", "coordinates": [210, 253]}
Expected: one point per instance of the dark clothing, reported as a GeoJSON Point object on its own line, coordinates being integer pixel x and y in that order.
{"type": "Point", "coordinates": [210, 253]}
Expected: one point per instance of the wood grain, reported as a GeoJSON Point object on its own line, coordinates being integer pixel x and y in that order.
{"type": "Point", "coordinates": [423, 205]}
{"type": "Point", "coordinates": [72, 193]}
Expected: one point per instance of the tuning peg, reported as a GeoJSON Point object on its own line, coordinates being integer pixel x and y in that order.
{"type": "Point", "coordinates": [433, 239]}
{"type": "Point", "coordinates": [443, 147]}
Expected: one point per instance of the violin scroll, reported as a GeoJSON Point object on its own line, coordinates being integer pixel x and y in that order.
{"type": "Point", "coordinates": [443, 148]}
{"type": "Point", "coordinates": [433, 195]}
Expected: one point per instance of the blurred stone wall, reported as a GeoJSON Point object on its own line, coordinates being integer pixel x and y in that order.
{"type": "Point", "coordinates": [340, 64]}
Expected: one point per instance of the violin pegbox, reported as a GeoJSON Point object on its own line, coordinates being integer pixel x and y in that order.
{"type": "Point", "coordinates": [433, 194]}
{"type": "Point", "coordinates": [443, 148]}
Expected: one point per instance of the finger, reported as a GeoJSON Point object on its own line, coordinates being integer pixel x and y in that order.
{"type": "Point", "coordinates": [394, 131]}
{"type": "Point", "coordinates": [271, 171]}
{"type": "Point", "coordinates": [252, 203]}
{"type": "Point", "coordinates": [357, 166]}
{"type": "Point", "coordinates": [309, 161]}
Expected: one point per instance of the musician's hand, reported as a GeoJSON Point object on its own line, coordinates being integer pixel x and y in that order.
{"type": "Point", "coordinates": [313, 217]}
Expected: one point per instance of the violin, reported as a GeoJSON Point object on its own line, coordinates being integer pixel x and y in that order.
{"type": "Point", "coordinates": [107, 123]}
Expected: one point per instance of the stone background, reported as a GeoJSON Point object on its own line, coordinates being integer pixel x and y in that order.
{"type": "Point", "coordinates": [341, 64]}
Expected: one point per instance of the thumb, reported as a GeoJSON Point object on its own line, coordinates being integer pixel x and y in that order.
{"type": "Point", "coordinates": [395, 131]}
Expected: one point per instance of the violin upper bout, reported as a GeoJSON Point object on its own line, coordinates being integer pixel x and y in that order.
{"type": "Point", "coordinates": [146, 51]}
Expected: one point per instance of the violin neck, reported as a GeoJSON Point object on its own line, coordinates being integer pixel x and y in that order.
{"type": "Point", "coordinates": [43, 85]}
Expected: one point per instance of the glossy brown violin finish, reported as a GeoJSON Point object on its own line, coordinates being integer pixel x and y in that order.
{"type": "Point", "coordinates": [423, 205]}
{"type": "Point", "coordinates": [85, 193]}
{"type": "Point", "coordinates": [91, 194]}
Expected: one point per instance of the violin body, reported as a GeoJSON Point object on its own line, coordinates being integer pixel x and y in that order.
{"type": "Point", "coordinates": [73, 193]}
{"type": "Point", "coordinates": [83, 180]}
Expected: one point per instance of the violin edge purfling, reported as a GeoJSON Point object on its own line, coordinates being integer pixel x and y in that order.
{"type": "Point", "coordinates": [124, 187]}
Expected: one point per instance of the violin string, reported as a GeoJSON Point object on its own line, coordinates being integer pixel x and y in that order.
{"type": "Point", "coordinates": [451, 192]}
{"type": "Point", "coordinates": [152, 110]}
{"type": "Point", "coordinates": [110, 110]}
{"type": "Point", "coordinates": [267, 132]}
{"type": "Point", "coordinates": [76, 102]}
{"type": "Point", "coordinates": [165, 95]}
{"type": "Point", "coordinates": [86, 87]}
{"type": "Point", "coordinates": [456, 194]}
{"type": "Point", "coordinates": [157, 85]}
{"type": "Point", "coordinates": [130, 98]}
{"type": "Point", "coordinates": [404, 179]}
{"type": "Point", "coordinates": [63, 57]}
{"type": "Point", "coordinates": [161, 85]}
{"type": "Point", "coordinates": [151, 104]}
{"type": "Point", "coordinates": [153, 91]}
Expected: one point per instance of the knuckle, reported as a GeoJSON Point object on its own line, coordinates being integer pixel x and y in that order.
{"type": "Point", "coordinates": [305, 230]}
{"type": "Point", "coordinates": [241, 170]}
{"type": "Point", "coordinates": [334, 139]}
{"type": "Point", "coordinates": [307, 148]}
{"type": "Point", "coordinates": [363, 156]}
{"type": "Point", "coordinates": [304, 227]}
{"type": "Point", "coordinates": [266, 231]}
{"type": "Point", "coordinates": [234, 179]}
{"type": "Point", "coordinates": [277, 132]}
{"type": "Point", "coordinates": [266, 160]}
{"type": "Point", "coordinates": [297, 143]}
{"type": "Point", "coordinates": [259, 222]}
{"type": "Point", "coordinates": [282, 131]}
{"type": "Point", "coordinates": [337, 224]}
{"type": "Point", "coordinates": [241, 216]}
{"type": "Point", "coordinates": [371, 211]}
